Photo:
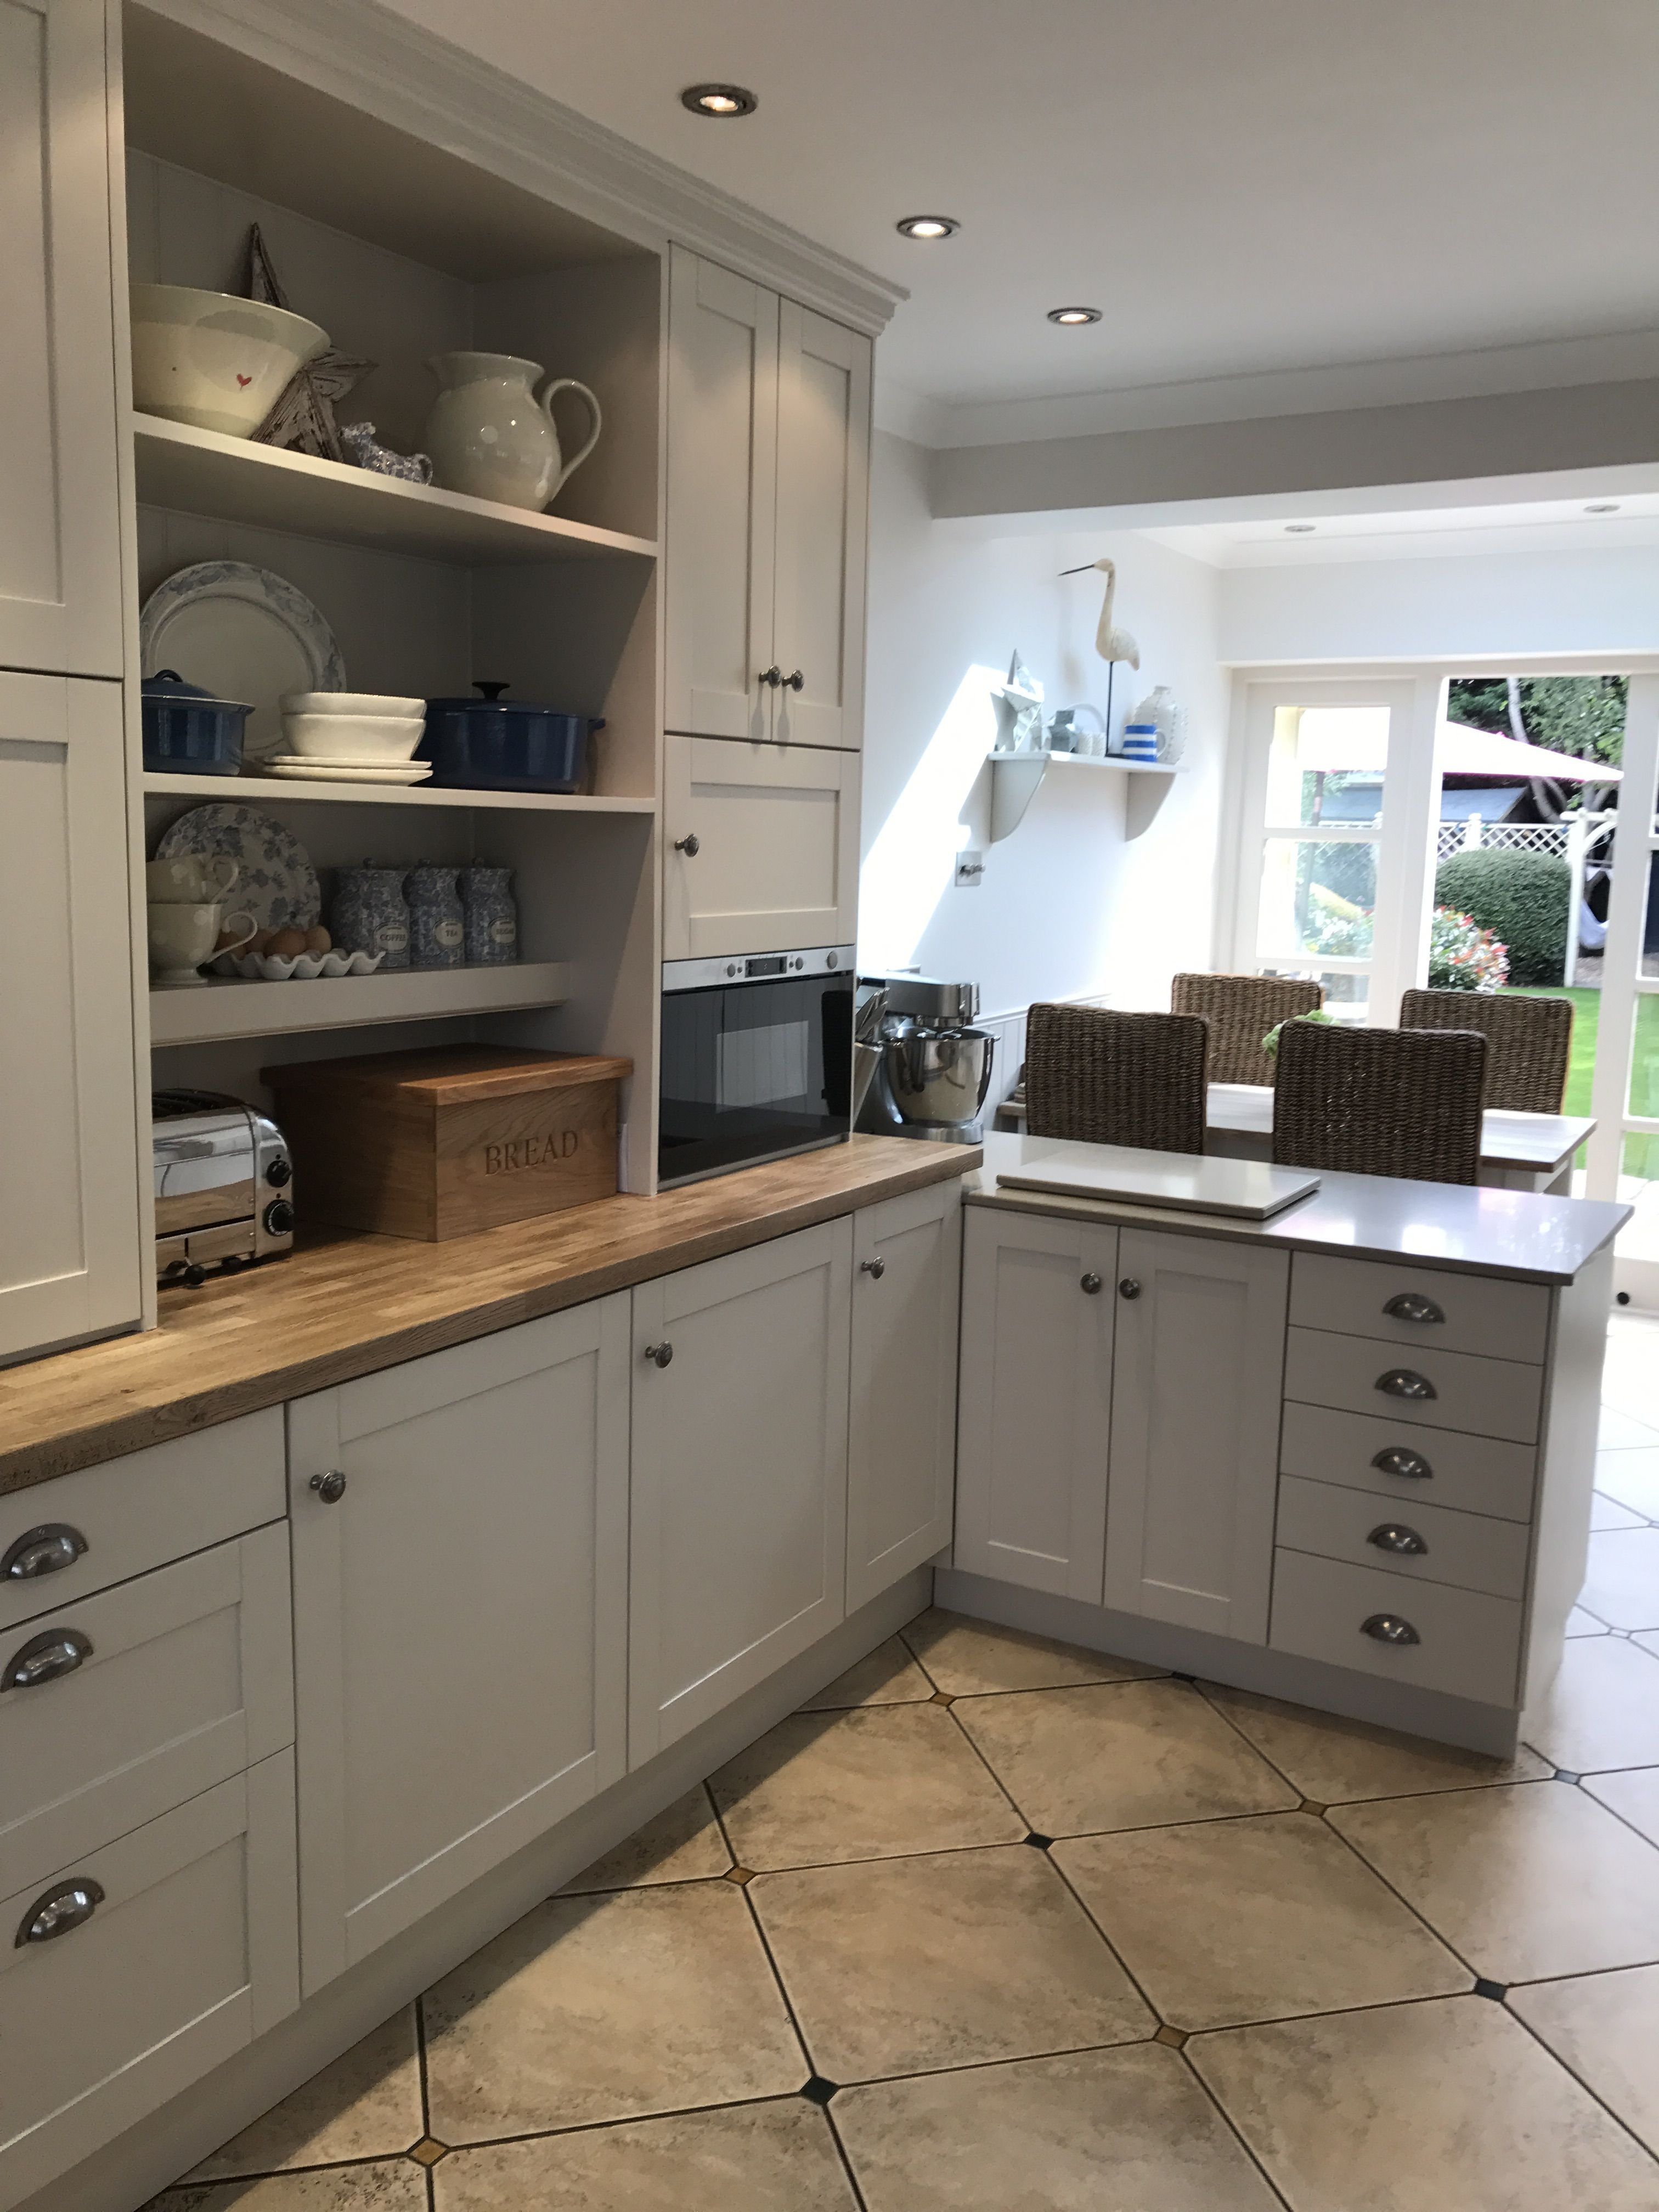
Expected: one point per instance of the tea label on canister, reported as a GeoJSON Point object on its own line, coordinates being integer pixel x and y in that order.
{"type": "Point", "coordinates": [447, 933]}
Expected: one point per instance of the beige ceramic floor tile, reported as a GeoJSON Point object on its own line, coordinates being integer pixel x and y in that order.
{"type": "Point", "coordinates": [1631, 1477]}
{"type": "Point", "coordinates": [1525, 1882]}
{"type": "Point", "coordinates": [1606, 2028]}
{"type": "Point", "coordinates": [870, 1783]}
{"type": "Point", "coordinates": [749, 2158]}
{"type": "Point", "coordinates": [969, 1658]}
{"type": "Point", "coordinates": [366, 2105]}
{"type": "Point", "coordinates": [608, 2007]}
{"type": "Point", "coordinates": [1580, 1623]}
{"type": "Point", "coordinates": [1622, 1431]}
{"type": "Point", "coordinates": [683, 1843]}
{"type": "Point", "coordinates": [385, 2186]}
{"type": "Point", "coordinates": [1275, 1916]}
{"type": "Point", "coordinates": [1633, 1795]}
{"type": "Point", "coordinates": [1124, 2131]}
{"type": "Point", "coordinates": [1621, 1583]}
{"type": "Point", "coordinates": [1606, 1512]}
{"type": "Point", "coordinates": [1334, 1760]}
{"type": "Point", "coordinates": [1448, 2106]}
{"type": "Point", "coordinates": [1649, 1640]}
{"type": "Point", "coordinates": [886, 1676]}
{"type": "Point", "coordinates": [1602, 1710]}
{"type": "Point", "coordinates": [1127, 1756]}
{"type": "Point", "coordinates": [902, 1966]}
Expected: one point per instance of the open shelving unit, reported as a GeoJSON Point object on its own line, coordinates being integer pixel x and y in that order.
{"type": "Point", "coordinates": [1016, 779]}
{"type": "Point", "coordinates": [274, 790]}
{"type": "Point", "coordinates": [210, 1012]}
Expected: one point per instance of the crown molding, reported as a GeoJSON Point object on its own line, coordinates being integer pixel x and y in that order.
{"type": "Point", "coordinates": [369, 57]}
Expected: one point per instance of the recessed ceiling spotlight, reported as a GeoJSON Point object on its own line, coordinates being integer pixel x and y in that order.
{"type": "Point", "coordinates": [1071, 316]}
{"type": "Point", "coordinates": [1299, 529]}
{"type": "Point", "coordinates": [928, 225]}
{"type": "Point", "coordinates": [1603, 507]}
{"type": "Point", "coordinates": [722, 100]}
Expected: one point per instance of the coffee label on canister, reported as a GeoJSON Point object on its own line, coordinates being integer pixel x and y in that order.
{"type": "Point", "coordinates": [392, 937]}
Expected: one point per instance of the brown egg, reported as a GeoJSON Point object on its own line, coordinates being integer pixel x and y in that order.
{"type": "Point", "coordinates": [287, 945]}
{"type": "Point", "coordinates": [317, 941]}
{"type": "Point", "coordinates": [260, 942]}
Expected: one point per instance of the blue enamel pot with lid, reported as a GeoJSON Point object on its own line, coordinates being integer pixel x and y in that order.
{"type": "Point", "coordinates": [493, 744]}
{"type": "Point", "coordinates": [186, 731]}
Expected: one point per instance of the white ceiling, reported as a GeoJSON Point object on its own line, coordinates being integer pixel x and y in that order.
{"type": "Point", "coordinates": [1537, 526]}
{"type": "Point", "coordinates": [1286, 185]}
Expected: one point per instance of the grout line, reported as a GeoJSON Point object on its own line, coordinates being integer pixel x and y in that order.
{"type": "Point", "coordinates": [1230, 2124]}
{"type": "Point", "coordinates": [807, 2054]}
{"type": "Point", "coordinates": [1572, 2075]}
{"type": "Point", "coordinates": [846, 2157]}
{"type": "Point", "coordinates": [420, 2056]}
{"type": "Point", "coordinates": [614, 2120]}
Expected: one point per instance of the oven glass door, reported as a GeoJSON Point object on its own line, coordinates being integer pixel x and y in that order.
{"type": "Point", "coordinates": [753, 1070]}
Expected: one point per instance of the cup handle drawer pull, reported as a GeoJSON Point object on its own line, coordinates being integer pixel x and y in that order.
{"type": "Point", "coordinates": [1405, 1383]}
{"type": "Point", "coordinates": [1389, 1628]}
{"type": "Point", "coordinates": [44, 1551]}
{"type": "Point", "coordinates": [55, 1651]}
{"type": "Point", "coordinates": [1393, 1536]}
{"type": "Point", "coordinates": [67, 1905]}
{"type": "Point", "coordinates": [1412, 1305]}
{"type": "Point", "coordinates": [1396, 1460]}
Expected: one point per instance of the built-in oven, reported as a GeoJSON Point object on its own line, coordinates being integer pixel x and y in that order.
{"type": "Point", "coordinates": [756, 1059]}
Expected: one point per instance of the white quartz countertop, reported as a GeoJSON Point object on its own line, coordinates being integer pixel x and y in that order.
{"type": "Point", "coordinates": [1525, 1235]}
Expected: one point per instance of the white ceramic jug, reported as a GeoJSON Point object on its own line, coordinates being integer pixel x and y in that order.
{"type": "Point", "coordinates": [489, 434]}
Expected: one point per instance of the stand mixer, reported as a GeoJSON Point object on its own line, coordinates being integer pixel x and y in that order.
{"type": "Point", "coordinates": [932, 1068]}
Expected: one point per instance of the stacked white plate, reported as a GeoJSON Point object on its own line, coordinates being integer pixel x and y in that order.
{"type": "Point", "coordinates": [350, 737]}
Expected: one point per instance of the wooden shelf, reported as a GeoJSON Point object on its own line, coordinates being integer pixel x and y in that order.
{"type": "Point", "coordinates": [274, 790]}
{"type": "Point", "coordinates": [233, 480]}
{"type": "Point", "coordinates": [1016, 777]}
{"type": "Point", "coordinates": [207, 1012]}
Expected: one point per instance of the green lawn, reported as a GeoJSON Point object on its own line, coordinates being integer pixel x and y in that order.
{"type": "Point", "coordinates": [1641, 1153]}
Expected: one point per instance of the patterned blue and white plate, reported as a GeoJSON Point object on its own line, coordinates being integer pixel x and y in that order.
{"type": "Point", "coordinates": [225, 622]}
{"type": "Point", "coordinates": [274, 883]}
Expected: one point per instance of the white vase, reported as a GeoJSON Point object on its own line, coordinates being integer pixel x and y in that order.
{"type": "Point", "coordinates": [1159, 708]}
{"type": "Point", "coordinates": [489, 434]}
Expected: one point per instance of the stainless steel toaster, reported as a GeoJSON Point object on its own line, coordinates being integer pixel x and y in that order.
{"type": "Point", "coordinates": [224, 1185]}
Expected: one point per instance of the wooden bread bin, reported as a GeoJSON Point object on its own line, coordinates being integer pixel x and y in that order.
{"type": "Point", "coordinates": [441, 1142]}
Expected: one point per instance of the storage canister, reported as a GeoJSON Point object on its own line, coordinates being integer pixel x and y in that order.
{"type": "Point", "coordinates": [491, 914]}
{"type": "Point", "coordinates": [370, 914]}
{"type": "Point", "coordinates": [437, 927]}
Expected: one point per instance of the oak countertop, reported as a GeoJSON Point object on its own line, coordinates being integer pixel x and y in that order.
{"type": "Point", "coordinates": [342, 1305]}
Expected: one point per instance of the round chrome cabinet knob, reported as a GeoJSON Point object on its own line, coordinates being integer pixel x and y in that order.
{"type": "Point", "coordinates": [330, 1487]}
{"type": "Point", "coordinates": [1090, 1285]}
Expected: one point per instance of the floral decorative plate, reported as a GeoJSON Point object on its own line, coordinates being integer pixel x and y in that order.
{"type": "Point", "coordinates": [275, 882]}
{"type": "Point", "coordinates": [226, 623]}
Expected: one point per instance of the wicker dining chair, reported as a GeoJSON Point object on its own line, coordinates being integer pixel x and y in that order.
{"type": "Point", "coordinates": [1380, 1101]}
{"type": "Point", "coordinates": [1240, 1010]}
{"type": "Point", "coordinates": [1102, 1078]}
{"type": "Point", "coordinates": [1528, 1041]}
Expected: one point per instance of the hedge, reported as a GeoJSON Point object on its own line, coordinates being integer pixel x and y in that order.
{"type": "Point", "coordinates": [1522, 897]}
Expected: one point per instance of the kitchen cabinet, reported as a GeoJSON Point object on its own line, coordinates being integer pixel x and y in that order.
{"type": "Point", "coordinates": [60, 574]}
{"type": "Point", "coordinates": [907, 1274]}
{"type": "Point", "coordinates": [1038, 1321]}
{"type": "Point", "coordinates": [762, 847]}
{"type": "Point", "coordinates": [737, 1559]}
{"type": "Point", "coordinates": [69, 1200]}
{"type": "Point", "coordinates": [1194, 1434]}
{"type": "Point", "coordinates": [768, 495]}
{"type": "Point", "coordinates": [460, 1563]}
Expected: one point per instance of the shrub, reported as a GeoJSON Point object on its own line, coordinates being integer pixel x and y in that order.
{"type": "Point", "coordinates": [1462, 956]}
{"type": "Point", "coordinates": [1521, 897]}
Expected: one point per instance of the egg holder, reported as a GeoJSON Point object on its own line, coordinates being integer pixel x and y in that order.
{"type": "Point", "coordinates": [303, 968]}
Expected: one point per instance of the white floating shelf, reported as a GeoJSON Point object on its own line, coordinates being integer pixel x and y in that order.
{"type": "Point", "coordinates": [233, 480]}
{"type": "Point", "coordinates": [203, 1013]}
{"type": "Point", "coordinates": [274, 790]}
{"type": "Point", "coordinates": [1016, 777]}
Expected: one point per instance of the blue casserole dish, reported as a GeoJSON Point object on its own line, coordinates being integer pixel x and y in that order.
{"type": "Point", "coordinates": [187, 732]}
{"type": "Point", "coordinates": [493, 744]}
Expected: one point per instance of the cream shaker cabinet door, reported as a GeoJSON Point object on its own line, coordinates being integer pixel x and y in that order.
{"type": "Point", "coordinates": [739, 1475]}
{"type": "Point", "coordinates": [60, 578]}
{"type": "Point", "coordinates": [762, 847]}
{"type": "Point", "coordinates": [1195, 1456]}
{"type": "Point", "coordinates": [460, 1566]}
{"type": "Point", "coordinates": [68, 1198]}
{"type": "Point", "coordinates": [823, 496]}
{"type": "Point", "coordinates": [722, 491]}
{"type": "Point", "coordinates": [1037, 1314]}
{"type": "Point", "coordinates": [907, 1274]}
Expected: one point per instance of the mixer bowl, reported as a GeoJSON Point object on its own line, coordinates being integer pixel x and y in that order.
{"type": "Point", "coordinates": [938, 1077]}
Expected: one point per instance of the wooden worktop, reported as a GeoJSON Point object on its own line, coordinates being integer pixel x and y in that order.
{"type": "Point", "coordinates": [343, 1305]}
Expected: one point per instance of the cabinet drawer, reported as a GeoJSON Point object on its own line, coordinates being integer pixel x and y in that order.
{"type": "Point", "coordinates": [184, 1678]}
{"type": "Point", "coordinates": [1498, 1320]}
{"type": "Point", "coordinates": [141, 1510]}
{"type": "Point", "coordinates": [1469, 1643]}
{"type": "Point", "coordinates": [1486, 1397]}
{"type": "Point", "coordinates": [1471, 1474]}
{"type": "Point", "coordinates": [1470, 1551]}
{"type": "Point", "coordinates": [190, 1950]}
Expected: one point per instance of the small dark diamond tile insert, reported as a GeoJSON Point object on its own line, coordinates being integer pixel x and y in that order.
{"type": "Point", "coordinates": [1496, 1990]}
{"type": "Point", "coordinates": [1038, 1843]}
{"type": "Point", "coordinates": [739, 1874]}
{"type": "Point", "coordinates": [939, 1698]}
{"type": "Point", "coordinates": [818, 2091]}
{"type": "Point", "coordinates": [1175, 2037]}
{"type": "Point", "coordinates": [1562, 1775]}
{"type": "Point", "coordinates": [428, 2151]}
{"type": "Point", "coordinates": [1311, 1805]}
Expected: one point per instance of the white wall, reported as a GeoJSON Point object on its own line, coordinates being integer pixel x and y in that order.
{"type": "Point", "coordinates": [1071, 904]}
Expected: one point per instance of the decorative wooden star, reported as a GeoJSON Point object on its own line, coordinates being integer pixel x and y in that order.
{"type": "Point", "coordinates": [302, 418]}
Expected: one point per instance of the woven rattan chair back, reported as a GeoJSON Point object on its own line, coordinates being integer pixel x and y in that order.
{"type": "Point", "coordinates": [1528, 1041]}
{"type": "Point", "coordinates": [1380, 1101]}
{"type": "Point", "coordinates": [1240, 1010]}
{"type": "Point", "coordinates": [1101, 1077]}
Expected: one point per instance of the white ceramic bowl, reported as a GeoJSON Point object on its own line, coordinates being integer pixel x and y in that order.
{"type": "Point", "coordinates": [356, 737]}
{"type": "Point", "coordinates": [351, 702]}
{"type": "Point", "coordinates": [214, 361]}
